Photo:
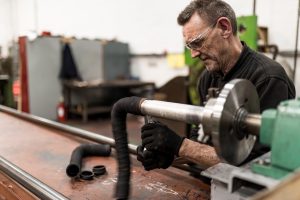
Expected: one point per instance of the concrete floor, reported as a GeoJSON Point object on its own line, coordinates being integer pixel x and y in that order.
{"type": "Point", "coordinates": [102, 125]}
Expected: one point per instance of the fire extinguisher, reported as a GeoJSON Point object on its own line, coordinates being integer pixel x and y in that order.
{"type": "Point", "coordinates": [61, 111]}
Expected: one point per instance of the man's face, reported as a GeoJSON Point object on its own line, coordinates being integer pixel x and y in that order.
{"type": "Point", "coordinates": [204, 42]}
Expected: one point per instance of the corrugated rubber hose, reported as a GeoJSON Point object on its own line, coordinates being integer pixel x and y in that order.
{"type": "Point", "coordinates": [118, 118]}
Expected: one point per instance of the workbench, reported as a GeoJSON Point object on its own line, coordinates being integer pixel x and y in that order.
{"type": "Point", "coordinates": [98, 96]}
{"type": "Point", "coordinates": [43, 148]}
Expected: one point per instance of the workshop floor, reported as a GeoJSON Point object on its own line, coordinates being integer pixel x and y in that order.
{"type": "Point", "coordinates": [101, 124]}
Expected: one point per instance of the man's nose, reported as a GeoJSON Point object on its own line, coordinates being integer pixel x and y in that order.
{"type": "Point", "coordinates": [195, 53]}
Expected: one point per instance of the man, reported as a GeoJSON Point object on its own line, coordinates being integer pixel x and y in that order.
{"type": "Point", "coordinates": [210, 32]}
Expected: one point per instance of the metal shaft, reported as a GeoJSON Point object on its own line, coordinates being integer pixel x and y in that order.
{"type": "Point", "coordinates": [29, 182]}
{"type": "Point", "coordinates": [67, 129]}
{"type": "Point", "coordinates": [253, 123]}
{"type": "Point", "coordinates": [174, 111]}
{"type": "Point", "coordinates": [190, 114]}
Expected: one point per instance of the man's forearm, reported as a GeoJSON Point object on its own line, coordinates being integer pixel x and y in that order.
{"type": "Point", "coordinates": [198, 153]}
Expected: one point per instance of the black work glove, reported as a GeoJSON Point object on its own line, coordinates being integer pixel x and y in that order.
{"type": "Point", "coordinates": [153, 159]}
{"type": "Point", "coordinates": [158, 137]}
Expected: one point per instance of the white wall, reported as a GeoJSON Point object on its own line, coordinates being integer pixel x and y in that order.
{"type": "Point", "coordinates": [281, 18]}
{"type": "Point", "coordinates": [148, 26]}
{"type": "Point", "coordinates": [155, 69]}
{"type": "Point", "coordinates": [5, 25]}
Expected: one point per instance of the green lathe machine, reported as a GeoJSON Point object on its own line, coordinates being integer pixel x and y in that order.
{"type": "Point", "coordinates": [233, 123]}
{"type": "Point", "coordinates": [280, 130]}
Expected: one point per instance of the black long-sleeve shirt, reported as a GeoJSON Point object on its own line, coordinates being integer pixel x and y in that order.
{"type": "Point", "coordinates": [269, 78]}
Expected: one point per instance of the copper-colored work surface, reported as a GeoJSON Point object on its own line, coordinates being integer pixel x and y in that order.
{"type": "Point", "coordinates": [11, 190]}
{"type": "Point", "coordinates": [44, 153]}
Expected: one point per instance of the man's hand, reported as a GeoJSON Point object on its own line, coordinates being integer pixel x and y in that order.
{"type": "Point", "coordinates": [158, 137]}
{"type": "Point", "coordinates": [153, 159]}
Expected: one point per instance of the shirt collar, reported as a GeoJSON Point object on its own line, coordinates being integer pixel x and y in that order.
{"type": "Point", "coordinates": [240, 62]}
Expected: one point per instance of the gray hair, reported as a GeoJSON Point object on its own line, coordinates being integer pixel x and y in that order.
{"type": "Point", "coordinates": [210, 10]}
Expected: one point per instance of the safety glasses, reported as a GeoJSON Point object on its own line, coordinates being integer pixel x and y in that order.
{"type": "Point", "coordinates": [198, 42]}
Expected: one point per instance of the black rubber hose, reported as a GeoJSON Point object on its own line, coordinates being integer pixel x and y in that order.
{"type": "Point", "coordinates": [85, 150]}
{"type": "Point", "coordinates": [118, 119]}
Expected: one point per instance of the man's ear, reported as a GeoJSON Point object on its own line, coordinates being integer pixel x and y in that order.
{"type": "Point", "coordinates": [225, 25]}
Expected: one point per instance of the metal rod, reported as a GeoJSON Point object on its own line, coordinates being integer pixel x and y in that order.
{"type": "Point", "coordinates": [190, 114]}
{"type": "Point", "coordinates": [67, 129]}
{"type": "Point", "coordinates": [253, 124]}
{"type": "Point", "coordinates": [174, 111]}
{"type": "Point", "coordinates": [35, 186]}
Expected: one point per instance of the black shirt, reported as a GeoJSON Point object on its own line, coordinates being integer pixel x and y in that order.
{"type": "Point", "coordinates": [268, 76]}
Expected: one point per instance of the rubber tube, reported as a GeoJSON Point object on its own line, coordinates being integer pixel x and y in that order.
{"type": "Point", "coordinates": [85, 150]}
{"type": "Point", "coordinates": [118, 119]}
{"type": "Point", "coordinates": [86, 175]}
{"type": "Point", "coordinates": [99, 170]}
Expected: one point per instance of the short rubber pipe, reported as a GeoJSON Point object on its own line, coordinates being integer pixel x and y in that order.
{"type": "Point", "coordinates": [85, 150]}
{"type": "Point", "coordinates": [99, 170]}
{"type": "Point", "coordinates": [86, 175]}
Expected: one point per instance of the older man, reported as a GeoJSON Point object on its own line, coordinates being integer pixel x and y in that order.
{"type": "Point", "coordinates": [210, 32]}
